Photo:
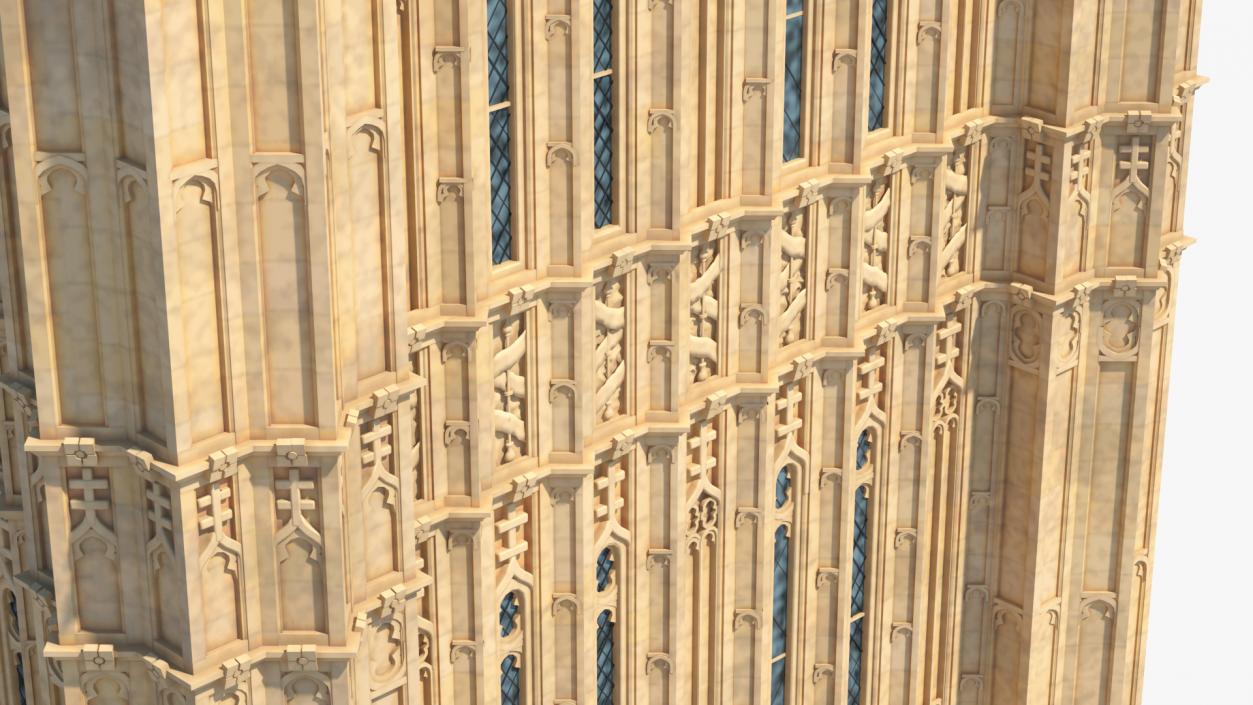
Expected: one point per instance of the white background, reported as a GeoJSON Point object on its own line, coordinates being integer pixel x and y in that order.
{"type": "Point", "coordinates": [1201, 609]}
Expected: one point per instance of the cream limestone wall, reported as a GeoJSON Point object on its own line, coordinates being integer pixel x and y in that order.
{"type": "Point", "coordinates": [278, 431]}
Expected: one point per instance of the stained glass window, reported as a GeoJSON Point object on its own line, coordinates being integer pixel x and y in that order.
{"type": "Point", "coordinates": [605, 676]}
{"type": "Point", "coordinates": [508, 614]}
{"type": "Point", "coordinates": [793, 76]}
{"type": "Point", "coordinates": [878, 64]}
{"type": "Point", "coordinates": [861, 511]}
{"type": "Point", "coordinates": [604, 569]}
{"type": "Point", "coordinates": [602, 94]}
{"type": "Point", "coordinates": [863, 449]}
{"type": "Point", "coordinates": [778, 620]}
{"type": "Point", "coordinates": [499, 127]}
{"type": "Point", "coordinates": [782, 488]}
{"type": "Point", "coordinates": [510, 681]}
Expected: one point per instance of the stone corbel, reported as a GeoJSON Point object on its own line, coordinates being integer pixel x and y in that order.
{"type": "Point", "coordinates": [659, 119]}
{"type": "Point", "coordinates": [843, 57]}
{"type": "Point", "coordinates": [444, 56]}
{"type": "Point", "coordinates": [927, 28]}
{"type": "Point", "coordinates": [656, 660]}
{"type": "Point", "coordinates": [453, 429]}
{"type": "Point", "coordinates": [754, 85]}
{"type": "Point", "coordinates": [745, 615]}
{"type": "Point", "coordinates": [750, 408]}
{"type": "Point", "coordinates": [834, 276]}
{"type": "Point", "coordinates": [559, 150]}
{"type": "Point", "coordinates": [566, 601]}
{"type": "Point", "coordinates": [554, 24]}
{"type": "Point", "coordinates": [899, 629]}
{"type": "Point", "coordinates": [903, 535]}
{"type": "Point", "coordinates": [462, 648]}
{"type": "Point", "coordinates": [826, 577]}
{"type": "Point", "coordinates": [743, 514]}
{"type": "Point", "coordinates": [823, 671]}
{"type": "Point", "coordinates": [827, 476]}
{"type": "Point", "coordinates": [447, 187]}
{"type": "Point", "coordinates": [657, 557]}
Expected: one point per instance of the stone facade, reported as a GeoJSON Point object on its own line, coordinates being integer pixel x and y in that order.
{"type": "Point", "coordinates": [279, 431]}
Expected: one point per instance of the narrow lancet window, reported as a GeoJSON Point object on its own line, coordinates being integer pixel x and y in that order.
{"type": "Point", "coordinates": [510, 681]}
{"type": "Point", "coordinates": [508, 614]}
{"type": "Point", "coordinates": [859, 597]}
{"type": "Point", "coordinates": [604, 570]}
{"type": "Point", "coordinates": [602, 93]}
{"type": "Point", "coordinates": [499, 128]}
{"type": "Point", "coordinates": [778, 648]}
{"type": "Point", "coordinates": [794, 74]}
{"type": "Point", "coordinates": [606, 679]}
{"type": "Point", "coordinates": [878, 64]}
{"type": "Point", "coordinates": [778, 612]}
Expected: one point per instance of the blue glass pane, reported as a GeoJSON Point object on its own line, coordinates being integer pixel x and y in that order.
{"type": "Point", "coordinates": [860, 515]}
{"type": "Point", "coordinates": [603, 174]}
{"type": "Point", "coordinates": [508, 614]}
{"type": "Point", "coordinates": [779, 611]}
{"type": "Point", "coordinates": [510, 681]}
{"type": "Point", "coordinates": [21, 680]}
{"type": "Point", "coordinates": [863, 449]}
{"type": "Point", "coordinates": [602, 28]}
{"type": "Point", "coordinates": [778, 681]}
{"type": "Point", "coordinates": [795, 6]}
{"type": "Point", "coordinates": [878, 63]}
{"type": "Point", "coordinates": [604, 660]}
{"type": "Point", "coordinates": [854, 663]}
{"type": "Point", "coordinates": [497, 52]}
{"type": "Point", "coordinates": [794, 71]}
{"type": "Point", "coordinates": [604, 569]}
{"type": "Point", "coordinates": [502, 210]}
{"type": "Point", "coordinates": [782, 488]}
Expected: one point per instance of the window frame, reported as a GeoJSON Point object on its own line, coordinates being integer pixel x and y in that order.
{"type": "Point", "coordinates": [801, 14]}
{"type": "Point", "coordinates": [510, 105]}
{"type": "Point", "coordinates": [614, 222]}
{"type": "Point", "coordinates": [885, 111]}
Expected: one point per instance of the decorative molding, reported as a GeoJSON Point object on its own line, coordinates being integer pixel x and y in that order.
{"type": "Point", "coordinates": [443, 56]}
{"type": "Point", "coordinates": [755, 85]}
{"type": "Point", "coordinates": [656, 659]}
{"type": "Point", "coordinates": [660, 119]}
{"type": "Point", "coordinates": [447, 187]}
{"type": "Point", "coordinates": [565, 601]}
{"type": "Point", "coordinates": [927, 28]}
{"type": "Point", "coordinates": [826, 577]}
{"type": "Point", "coordinates": [559, 150]}
{"type": "Point", "coordinates": [843, 58]}
{"type": "Point", "coordinates": [554, 24]}
{"type": "Point", "coordinates": [745, 616]}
